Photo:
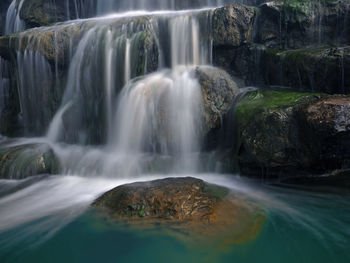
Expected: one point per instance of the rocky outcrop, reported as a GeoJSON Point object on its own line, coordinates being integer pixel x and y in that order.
{"type": "Point", "coordinates": [36, 13]}
{"type": "Point", "coordinates": [233, 28]}
{"type": "Point", "coordinates": [188, 205]}
{"type": "Point", "coordinates": [285, 132]}
{"type": "Point", "coordinates": [18, 161]}
{"type": "Point", "coordinates": [318, 69]}
{"type": "Point", "coordinates": [291, 44]}
{"type": "Point", "coordinates": [299, 23]}
{"type": "Point", "coordinates": [233, 25]}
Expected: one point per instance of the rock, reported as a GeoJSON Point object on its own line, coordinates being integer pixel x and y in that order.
{"type": "Point", "coordinates": [233, 28]}
{"type": "Point", "coordinates": [233, 25]}
{"type": "Point", "coordinates": [315, 69]}
{"type": "Point", "coordinates": [243, 62]}
{"type": "Point", "coordinates": [18, 161]}
{"type": "Point", "coordinates": [188, 205]}
{"type": "Point", "coordinates": [299, 23]}
{"type": "Point", "coordinates": [292, 133]}
{"type": "Point", "coordinates": [297, 36]}
{"type": "Point", "coordinates": [36, 13]}
{"type": "Point", "coordinates": [218, 92]}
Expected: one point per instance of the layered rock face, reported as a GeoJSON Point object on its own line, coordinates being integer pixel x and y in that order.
{"type": "Point", "coordinates": [316, 69]}
{"type": "Point", "coordinates": [292, 43]}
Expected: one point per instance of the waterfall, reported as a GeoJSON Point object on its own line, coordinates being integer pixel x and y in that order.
{"type": "Point", "coordinates": [13, 20]}
{"type": "Point", "coordinates": [107, 6]}
{"type": "Point", "coordinates": [110, 53]}
{"type": "Point", "coordinates": [159, 113]}
{"type": "Point", "coordinates": [4, 84]}
{"type": "Point", "coordinates": [34, 83]}
{"type": "Point", "coordinates": [117, 49]}
{"type": "Point", "coordinates": [112, 93]}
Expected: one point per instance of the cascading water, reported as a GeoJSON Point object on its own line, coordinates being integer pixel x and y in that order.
{"type": "Point", "coordinates": [107, 6]}
{"type": "Point", "coordinates": [34, 71]}
{"type": "Point", "coordinates": [156, 103]}
{"type": "Point", "coordinates": [160, 113]}
{"type": "Point", "coordinates": [117, 52]}
{"type": "Point", "coordinates": [13, 21]}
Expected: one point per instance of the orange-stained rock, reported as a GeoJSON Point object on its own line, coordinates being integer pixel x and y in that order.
{"type": "Point", "coordinates": [186, 207]}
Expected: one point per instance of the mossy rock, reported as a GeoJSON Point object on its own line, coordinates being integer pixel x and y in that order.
{"type": "Point", "coordinates": [270, 133]}
{"type": "Point", "coordinates": [292, 133]}
{"type": "Point", "coordinates": [22, 161]}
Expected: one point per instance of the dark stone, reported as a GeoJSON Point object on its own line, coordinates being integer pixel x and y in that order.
{"type": "Point", "coordinates": [22, 161]}
{"type": "Point", "coordinates": [283, 133]}
{"type": "Point", "coordinates": [233, 25]}
{"type": "Point", "coordinates": [295, 23]}
{"type": "Point", "coordinates": [314, 69]}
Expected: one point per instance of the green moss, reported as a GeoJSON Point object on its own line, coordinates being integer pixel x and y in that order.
{"type": "Point", "coordinates": [261, 100]}
{"type": "Point", "coordinates": [215, 191]}
{"type": "Point", "coordinates": [142, 211]}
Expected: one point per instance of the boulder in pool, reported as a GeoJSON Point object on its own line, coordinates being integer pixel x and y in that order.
{"type": "Point", "coordinates": [188, 207]}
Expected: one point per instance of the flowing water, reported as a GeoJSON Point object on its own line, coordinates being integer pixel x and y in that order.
{"type": "Point", "coordinates": [128, 109]}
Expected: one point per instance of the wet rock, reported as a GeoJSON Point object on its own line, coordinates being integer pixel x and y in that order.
{"type": "Point", "coordinates": [295, 24]}
{"type": "Point", "coordinates": [218, 92]}
{"type": "Point", "coordinates": [22, 161]}
{"type": "Point", "coordinates": [233, 25]}
{"type": "Point", "coordinates": [188, 205]}
{"type": "Point", "coordinates": [316, 69]}
{"type": "Point", "coordinates": [287, 132]}
{"type": "Point", "coordinates": [296, 36]}
{"type": "Point", "coordinates": [36, 13]}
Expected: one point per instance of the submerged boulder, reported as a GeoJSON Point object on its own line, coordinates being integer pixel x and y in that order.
{"type": "Point", "coordinates": [18, 161]}
{"type": "Point", "coordinates": [292, 133]}
{"type": "Point", "coordinates": [188, 205]}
